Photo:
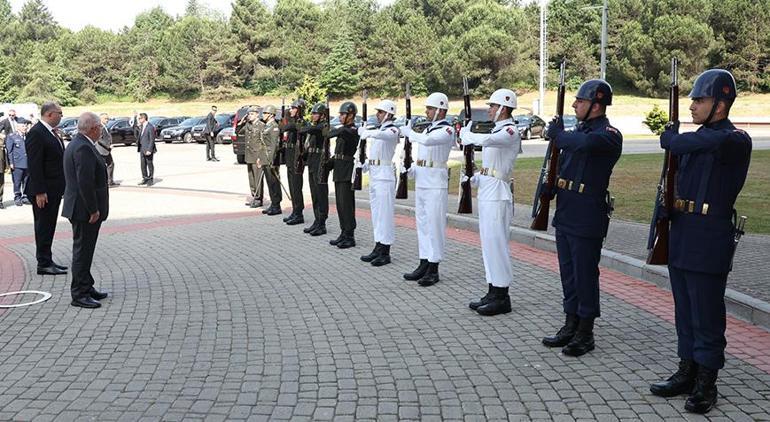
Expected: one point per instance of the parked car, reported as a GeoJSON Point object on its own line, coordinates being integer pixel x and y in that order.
{"type": "Point", "coordinates": [66, 126]}
{"type": "Point", "coordinates": [121, 130]}
{"type": "Point", "coordinates": [223, 120]}
{"type": "Point", "coordinates": [481, 123]}
{"type": "Point", "coordinates": [182, 132]}
{"type": "Point", "coordinates": [166, 122]}
{"type": "Point", "coordinates": [570, 122]}
{"type": "Point", "coordinates": [529, 126]}
{"type": "Point", "coordinates": [226, 135]}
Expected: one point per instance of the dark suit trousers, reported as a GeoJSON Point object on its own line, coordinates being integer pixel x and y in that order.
{"type": "Point", "coordinates": [273, 185]}
{"type": "Point", "coordinates": [579, 269]}
{"type": "Point", "coordinates": [255, 180]}
{"type": "Point", "coordinates": [148, 168]}
{"type": "Point", "coordinates": [346, 206]}
{"type": "Point", "coordinates": [210, 143]}
{"type": "Point", "coordinates": [20, 177]}
{"type": "Point", "coordinates": [84, 237]}
{"type": "Point", "coordinates": [45, 227]}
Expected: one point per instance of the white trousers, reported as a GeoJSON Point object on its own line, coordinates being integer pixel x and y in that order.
{"type": "Point", "coordinates": [494, 225]}
{"type": "Point", "coordinates": [382, 199]}
{"type": "Point", "coordinates": [430, 210]}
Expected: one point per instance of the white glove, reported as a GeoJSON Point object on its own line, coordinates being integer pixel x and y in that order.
{"type": "Point", "coordinates": [409, 171]}
{"type": "Point", "coordinates": [358, 164]}
{"type": "Point", "coordinates": [406, 130]}
{"type": "Point", "coordinates": [464, 178]}
{"type": "Point", "coordinates": [365, 167]}
{"type": "Point", "coordinates": [475, 180]}
{"type": "Point", "coordinates": [361, 131]}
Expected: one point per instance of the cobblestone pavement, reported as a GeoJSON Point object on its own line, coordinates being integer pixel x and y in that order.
{"type": "Point", "coordinates": [225, 314]}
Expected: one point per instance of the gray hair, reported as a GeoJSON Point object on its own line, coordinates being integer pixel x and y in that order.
{"type": "Point", "coordinates": [48, 107]}
{"type": "Point", "coordinates": [88, 121]}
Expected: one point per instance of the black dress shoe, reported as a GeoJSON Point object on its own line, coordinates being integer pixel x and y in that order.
{"type": "Point", "coordinates": [273, 211]}
{"type": "Point", "coordinates": [484, 299]}
{"type": "Point", "coordinates": [85, 302]}
{"type": "Point", "coordinates": [374, 254]}
{"type": "Point", "coordinates": [682, 382]}
{"type": "Point", "coordinates": [320, 230]}
{"type": "Point", "coordinates": [565, 333]}
{"type": "Point", "coordinates": [704, 395]}
{"type": "Point", "coordinates": [289, 217]}
{"type": "Point", "coordinates": [97, 295]}
{"type": "Point", "coordinates": [583, 342]}
{"type": "Point", "coordinates": [143, 182]}
{"type": "Point", "coordinates": [311, 228]}
{"type": "Point", "coordinates": [335, 242]}
{"type": "Point", "coordinates": [298, 219]}
{"type": "Point", "coordinates": [347, 242]}
{"type": "Point", "coordinates": [50, 271]}
{"type": "Point", "coordinates": [61, 267]}
{"type": "Point", "coordinates": [150, 182]}
{"type": "Point", "coordinates": [499, 303]}
{"type": "Point", "coordinates": [419, 272]}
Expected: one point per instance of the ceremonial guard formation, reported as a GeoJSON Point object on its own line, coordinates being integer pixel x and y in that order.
{"type": "Point", "coordinates": [290, 127]}
{"type": "Point", "coordinates": [317, 135]}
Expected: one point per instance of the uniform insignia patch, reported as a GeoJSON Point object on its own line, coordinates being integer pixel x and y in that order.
{"type": "Point", "coordinates": [611, 129]}
{"type": "Point", "coordinates": [449, 131]}
{"type": "Point", "coordinates": [510, 131]}
{"type": "Point", "coordinates": [393, 130]}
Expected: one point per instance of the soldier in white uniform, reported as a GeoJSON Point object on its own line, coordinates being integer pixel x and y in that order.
{"type": "Point", "coordinates": [382, 181]}
{"type": "Point", "coordinates": [495, 198]}
{"type": "Point", "coordinates": [431, 179]}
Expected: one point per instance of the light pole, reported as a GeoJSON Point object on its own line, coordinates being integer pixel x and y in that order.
{"type": "Point", "coordinates": [543, 57]}
{"type": "Point", "coordinates": [603, 64]}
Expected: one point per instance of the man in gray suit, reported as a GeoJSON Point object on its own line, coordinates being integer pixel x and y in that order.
{"type": "Point", "coordinates": [147, 150]}
{"type": "Point", "coordinates": [104, 147]}
{"type": "Point", "coordinates": [86, 205]}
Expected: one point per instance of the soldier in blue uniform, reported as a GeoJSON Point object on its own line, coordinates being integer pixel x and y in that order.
{"type": "Point", "coordinates": [712, 166]}
{"type": "Point", "coordinates": [588, 155]}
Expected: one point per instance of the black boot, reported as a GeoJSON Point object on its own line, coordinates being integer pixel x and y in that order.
{"type": "Point", "coordinates": [418, 272]}
{"type": "Point", "coordinates": [348, 241]}
{"type": "Point", "coordinates": [682, 382]}
{"type": "Point", "coordinates": [320, 229]}
{"type": "Point", "coordinates": [499, 303]}
{"type": "Point", "coordinates": [273, 210]}
{"type": "Point", "coordinates": [375, 253]}
{"type": "Point", "coordinates": [431, 276]}
{"type": "Point", "coordinates": [383, 258]}
{"type": "Point", "coordinates": [311, 228]}
{"type": "Point", "coordinates": [335, 242]}
{"type": "Point", "coordinates": [298, 219]}
{"type": "Point", "coordinates": [565, 333]}
{"type": "Point", "coordinates": [475, 305]}
{"type": "Point", "coordinates": [583, 341]}
{"type": "Point", "coordinates": [704, 395]}
{"type": "Point", "coordinates": [290, 217]}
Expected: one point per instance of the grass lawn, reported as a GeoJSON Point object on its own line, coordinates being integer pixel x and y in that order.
{"type": "Point", "coordinates": [634, 184]}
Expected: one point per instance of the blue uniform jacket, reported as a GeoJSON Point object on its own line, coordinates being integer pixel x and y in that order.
{"type": "Point", "coordinates": [16, 150]}
{"type": "Point", "coordinates": [714, 158]}
{"type": "Point", "coordinates": [588, 155]}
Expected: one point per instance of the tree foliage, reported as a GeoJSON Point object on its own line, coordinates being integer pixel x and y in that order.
{"type": "Point", "coordinates": [343, 46]}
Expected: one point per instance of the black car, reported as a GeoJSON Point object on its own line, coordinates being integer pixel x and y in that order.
{"type": "Point", "coordinates": [223, 120]}
{"type": "Point", "coordinates": [122, 131]}
{"type": "Point", "coordinates": [182, 132]}
{"type": "Point", "coordinates": [529, 126]}
{"type": "Point", "coordinates": [67, 126]}
{"type": "Point", "coordinates": [166, 122]}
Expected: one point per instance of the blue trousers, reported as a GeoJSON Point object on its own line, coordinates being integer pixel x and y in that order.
{"type": "Point", "coordinates": [20, 177]}
{"type": "Point", "coordinates": [699, 306]}
{"type": "Point", "coordinates": [579, 268]}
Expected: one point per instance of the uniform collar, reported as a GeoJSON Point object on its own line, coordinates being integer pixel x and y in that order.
{"type": "Point", "coordinates": [720, 124]}
{"type": "Point", "coordinates": [386, 124]}
{"type": "Point", "coordinates": [501, 123]}
{"type": "Point", "coordinates": [437, 122]}
{"type": "Point", "coordinates": [595, 122]}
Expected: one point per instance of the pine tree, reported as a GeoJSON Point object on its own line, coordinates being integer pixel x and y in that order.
{"type": "Point", "coordinates": [339, 76]}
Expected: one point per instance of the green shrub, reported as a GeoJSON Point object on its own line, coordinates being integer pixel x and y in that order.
{"type": "Point", "coordinates": [656, 120]}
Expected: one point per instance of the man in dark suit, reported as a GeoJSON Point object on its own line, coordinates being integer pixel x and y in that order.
{"type": "Point", "coordinates": [147, 150]}
{"type": "Point", "coordinates": [86, 205]}
{"type": "Point", "coordinates": [211, 126]}
{"type": "Point", "coordinates": [45, 186]}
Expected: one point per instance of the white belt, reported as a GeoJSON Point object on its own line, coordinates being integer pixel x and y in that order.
{"type": "Point", "coordinates": [380, 163]}
{"type": "Point", "coordinates": [432, 164]}
{"type": "Point", "coordinates": [497, 174]}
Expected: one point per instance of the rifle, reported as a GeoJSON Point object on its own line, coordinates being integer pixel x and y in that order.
{"type": "Point", "coordinates": [403, 192]}
{"type": "Point", "coordinates": [657, 242]}
{"type": "Point", "coordinates": [323, 171]}
{"type": "Point", "coordinates": [466, 200]}
{"type": "Point", "coordinates": [361, 149]}
{"type": "Point", "coordinates": [547, 180]}
{"type": "Point", "coordinates": [280, 148]}
{"type": "Point", "coordinates": [299, 160]}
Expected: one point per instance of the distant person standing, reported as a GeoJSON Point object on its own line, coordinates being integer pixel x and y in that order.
{"type": "Point", "coordinates": [45, 152]}
{"type": "Point", "coordinates": [256, 154]}
{"type": "Point", "coordinates": [211, 126]}
{"type": "Point", "coordinates": [17, 160]}
{"type": "Point", "coordinates": [86, 205]}
{"type": "Point", "coordinates": [7, 127]}
{"type": "Point", "coordinates": [104, 147]}
{"type": "Point", "coordinates": [147, 150]}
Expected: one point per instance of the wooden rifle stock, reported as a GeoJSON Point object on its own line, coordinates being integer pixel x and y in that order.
{"type": "Point", "coordinates": [466, 198]}
{"type": "Point", "coordinates": [323, 170]}
{"type": "Point", "coordinates": [657, 243]}
{"type": "Point", "coordinates": [358, 180]}
{"type": "Point", "coordinates": [542, 205]}
{"type": "Point", "coordinates": [299, 159]}
{"type": "Point", "coordinates": [403, 179]}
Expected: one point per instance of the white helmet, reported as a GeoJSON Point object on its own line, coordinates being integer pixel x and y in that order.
{"type": "Point", "coordinates": [387, 106]}
{"type": "Point", "coordinates": [437, 100]}
{"type": "Point", "coordinates": [503, 97]}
